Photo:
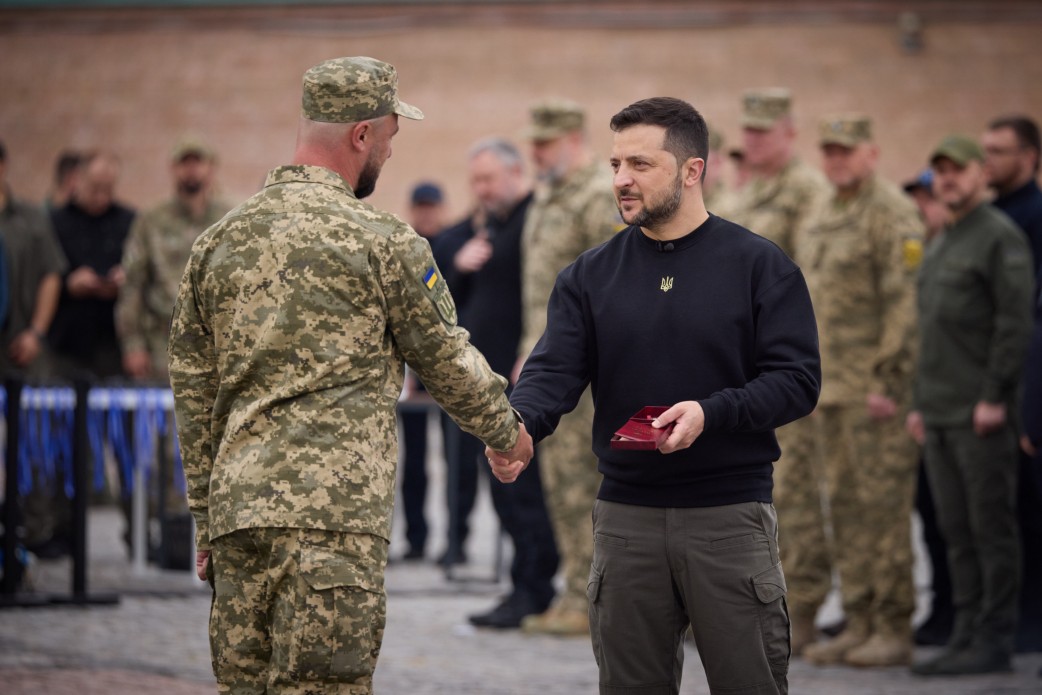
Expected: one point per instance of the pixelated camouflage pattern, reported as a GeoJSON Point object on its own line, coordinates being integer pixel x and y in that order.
{"type": "Point", "coordinates": [154, 259]}
{"type": "Point", "coordinates": [847, 130]}
{"type": "Point", "coordinates": [762, 108]}
{"type": "Point", "coordinates": [553, 118]}
{"type": "Point", "coordinates": [293, 324]}
{"type": "Point", "coordinates": [564, 220]}
{"type": "Point", "coordinates": [350, 90]}
{"type": "Point", "coordinates": [798, 496]}
{"type": "Point", "coordinates": [570, 483]}
{"type": "Point", "coordinates": [857, 255]}
{"type": "Point", "coordinates": [297, 611]}
{"type": "Point", "coordinates": [776, 207]}
{"type": "Point", "coordinates": [870, 478]}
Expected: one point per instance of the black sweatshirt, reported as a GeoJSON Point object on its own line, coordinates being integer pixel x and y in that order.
{"type": "Point", "coordinates": [721, 316]}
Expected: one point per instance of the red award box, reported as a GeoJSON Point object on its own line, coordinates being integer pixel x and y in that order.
{"type": "Point", "coordinates": [638, 433]}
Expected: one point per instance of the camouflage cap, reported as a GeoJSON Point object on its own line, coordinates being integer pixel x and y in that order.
{"type": "Point", "coordinates": [351, 90]}
{"type": "Point", "coordinates": [847, 130]}
{"type": "Point", "coordinates": [762, 108]}
{"type": "Point", "coordinates": [553, 118]}
{"type": "Point", "coordinates": [191, 144]}
{"type": "Point", "coordinates": [961, 149]}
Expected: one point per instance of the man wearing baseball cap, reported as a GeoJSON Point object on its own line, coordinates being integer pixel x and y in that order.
{"type": "Point", "coordinates": [294, 322]}
{"type": "Point", "coordinates": [976, 292]}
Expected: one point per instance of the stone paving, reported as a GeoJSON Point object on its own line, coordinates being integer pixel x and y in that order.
{"type": "Point", "coordinates": [155, 639]}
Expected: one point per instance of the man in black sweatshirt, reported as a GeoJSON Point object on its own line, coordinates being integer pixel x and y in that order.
{"type": "Point", "coordinates": [686, 310]}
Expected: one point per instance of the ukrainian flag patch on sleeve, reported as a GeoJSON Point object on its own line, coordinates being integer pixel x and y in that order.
{"type": "Point", "coordinates": [430, 278]}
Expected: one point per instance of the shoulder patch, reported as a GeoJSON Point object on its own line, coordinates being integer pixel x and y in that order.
{"type": "Point", "coordinates": [438, 292]}
{"type": "Point", "coordinates": [913, 253]}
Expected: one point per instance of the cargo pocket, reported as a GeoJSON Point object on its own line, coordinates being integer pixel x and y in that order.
{"type": "Point", "coordinates": [769, 586]}
{"type": "Point", "coordinates": [339, 620]}
{"type": "Point", "coordinates": [593, 594]}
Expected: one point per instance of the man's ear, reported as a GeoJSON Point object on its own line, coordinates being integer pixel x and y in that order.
{"type": "Point", "coordinates": [693, 169]}
{"type": "Point", "coordinates": [360, 135]}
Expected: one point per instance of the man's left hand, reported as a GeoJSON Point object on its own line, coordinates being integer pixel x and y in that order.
{"type": "Point", "coordinates": [880, 407]}
{"type": "Point", "coordinates": [988, 417]}
{"type": "Point", "coordinates": [688, 422]}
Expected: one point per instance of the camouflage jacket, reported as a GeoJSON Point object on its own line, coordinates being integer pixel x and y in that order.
{"type": "Point", "coordinates": [154, 258]}
{"type": "Point", "coordinates": [860, 256]}
{"type": "Point", "coordinates": [776, 207]}
{"type": "Point", "coordinates": [564, 220]}
{"type": "Point", "coordinates": [293, 323]}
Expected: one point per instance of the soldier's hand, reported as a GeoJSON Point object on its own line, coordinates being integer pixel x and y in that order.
{"type": "Point", "coordinates": [988, 417]}
{"type": "Point", "coordinates": [880, 407]}
{"type": "Point", "coordinates": [915, 427]}
{"type": "Point", "coordinates": [138, 364]}
{"type": "Point", "coordinates": [24, 348]}
{"type": "Point", "coordinates": [202, 558]}
{"type": "Point", "coordinates": [508, 465]}
{"type": "Point", "coordinates": [688, 420]}
{"type": "Point", "coordinates": [1027, 446]}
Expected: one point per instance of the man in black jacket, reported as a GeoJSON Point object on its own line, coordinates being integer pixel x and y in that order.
{"type": "Point", "coordinates": [480, 259]}
{"type": "Point", "coordinates": [686, 310]}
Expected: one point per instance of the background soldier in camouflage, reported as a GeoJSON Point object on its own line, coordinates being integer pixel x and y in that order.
{"type": "Point", "coordinates": [155, 256]}
{"type": "Point", "coordinates": [775, 203]}
{"type": "Point", "coordinates": [574, 210]}
{"type": "Point", "coordinates": [293, 324]}
{"type": "Point", "coordinates": [859, 251]}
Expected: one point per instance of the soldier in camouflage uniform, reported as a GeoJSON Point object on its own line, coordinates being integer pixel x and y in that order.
{"type": "Point", "coordinates": [574, 210]}
{"type": "Point", "coordinates": [775, 203]}
{"type": "Point", "coordinates": [859, 251]}
{"type": "Point", "coordinates": [293, 324]}
{"type": "Point", "coordinates": [155, 256]}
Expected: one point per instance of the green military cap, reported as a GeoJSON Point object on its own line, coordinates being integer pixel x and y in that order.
{"type": "Point", "coordinates": [961, 149]}
{"type": "Point", "coordinates": [553, 118]}
{"type": "Point", "coordinates": [191, 145]}
{"type": "Point", "coordinates": [762, 108]}
{"type": "Point", "coordinates": [351, 90]}
{"type": "Point", "coordinates": [847, 130]}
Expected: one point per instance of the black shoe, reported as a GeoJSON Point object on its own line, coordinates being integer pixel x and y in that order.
{"type": "Point", "coordinates": [834, 629]}
{"type": "Point", "coordinates": [51, 549]}
{"type": "Point", "coordinates": [509, 614]}
{"type": "Point", "coordinates": [413, 554]}
{"type": "Point", "coordinates": [960, 662]}
{"type": "Point", "coordinates": [449, 558]}
{"type": "Point", "coordinates": [936, 630]}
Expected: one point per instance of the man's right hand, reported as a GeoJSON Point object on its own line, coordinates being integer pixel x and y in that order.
{"type": "Point", "coordinates": [507, 465]}
{"type": "Point", "coordinates": [473, 255]}
{"type": "Point", "coordinates": [83, 282]}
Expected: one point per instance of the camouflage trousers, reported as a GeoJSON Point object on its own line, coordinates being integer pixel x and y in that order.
{"type": "Point", "coordinates": [570, 484]}
{"type": "Point", "coordinates": [870, 470]}
{"type": "Point", "coordinates": [297, 611]}
{"type": "Point", "coordinates": [798, 489]}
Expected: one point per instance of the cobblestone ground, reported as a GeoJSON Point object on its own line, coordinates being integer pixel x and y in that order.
{"type": "Point", "coordinates": [154, 640]}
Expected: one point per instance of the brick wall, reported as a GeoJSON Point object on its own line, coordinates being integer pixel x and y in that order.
{"type": "Point", "coordinates": [133, 80]}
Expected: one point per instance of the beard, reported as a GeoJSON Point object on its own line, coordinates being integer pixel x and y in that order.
{"type": "Point", "coordinates": [656, 212]}
{"type": "Point", "coordinates": [189, 186]}
{"type": "Point", "coordinates": [367, 178]}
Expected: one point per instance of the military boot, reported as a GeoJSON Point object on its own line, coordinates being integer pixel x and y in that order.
{"type": "Point", "coordinates": [881, 650]}
{"type": "Point", "coordinates": [834, 651]}
{"type": "Point", "coordinates": [803, 631]}
{"type": "Point", "coordinates": [559, 620]}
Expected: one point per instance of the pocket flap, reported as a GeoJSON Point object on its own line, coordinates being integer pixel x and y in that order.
{"type": "Point", "coordinates": [325, 569]}
{"type": "Point", "coordinates": [593, 587]}
{"type": "Point", "coordinates": [769, 584]}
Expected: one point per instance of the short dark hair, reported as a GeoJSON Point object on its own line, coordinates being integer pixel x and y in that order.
{"type": "Point", "coordinates": [1026, 130]}
{"type": "Point", "coordinates": [686, 132]}
{"type": "Point", "coordinates": [67, 162]}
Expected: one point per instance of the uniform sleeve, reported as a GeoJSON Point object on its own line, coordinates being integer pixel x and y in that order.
{"type": "Point", "coordinates": [48, 251]}
{"type": "Point", "coordinates": [193, 376]}
{"type": "Point", "coordinates": [897, 250]}
{"type": "Point", "coordinates": [1013, 293]}
{"type": "Point", "coordinates": [422, 319]}
{"type": "Point", "coordinates": [130, 304]}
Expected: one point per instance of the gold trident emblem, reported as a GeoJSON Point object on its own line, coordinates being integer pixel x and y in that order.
{"type": "Point", "coordinates": [667, 284]}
